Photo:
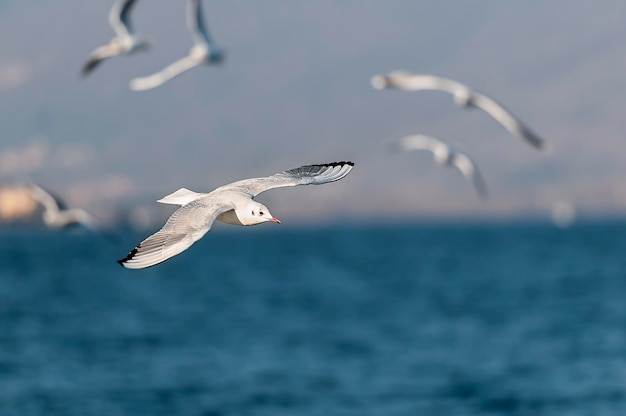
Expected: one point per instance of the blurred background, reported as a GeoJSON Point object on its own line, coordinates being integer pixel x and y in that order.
{"type": "Point", "coordinates": [395, 291]}
{"type": "Point", "coordinates": [295, 90]}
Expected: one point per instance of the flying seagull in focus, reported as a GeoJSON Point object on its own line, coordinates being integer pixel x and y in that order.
{"type": "Point", "coordinates": [446, 155]}
{"type": "Point", "coordinates": [204, 51]}
{"type": "Point", "coordinates": [231, 204]}
{"type": "Point", "coordinates": [463, 97]}
{"type": "Point", "coordinates": [124, 41]}
{"type": "Point", "coordinates": [55, 215]}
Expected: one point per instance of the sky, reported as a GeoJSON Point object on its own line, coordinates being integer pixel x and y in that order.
{"type": "Point", "coordinates": [295, 90]}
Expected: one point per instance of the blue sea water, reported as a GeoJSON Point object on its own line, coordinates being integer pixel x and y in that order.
{"type": "Point", "coordinates": [357, 320]}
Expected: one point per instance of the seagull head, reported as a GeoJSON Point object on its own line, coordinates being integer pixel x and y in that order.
{"type": "Point", "coordinates": [442, 155]}
{"type": "Point", "coordinates": [256, 214]}
{"type": "Point", "coordinates": [463, 98]}
{"type": "Point", "coordinates": [379, 82]}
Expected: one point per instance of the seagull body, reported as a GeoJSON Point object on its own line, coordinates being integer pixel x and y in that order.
{"type": "Point", "coordinates": [231, 204]}
{"type": "Point", "coordinates": [446, 155]}
{"type": "Point", "coordinates": [204, 51]}
{"type": "Point", "coordinates": [124, 42]}
{"type": "Point", "coordinates": [55, 216]}
{"type": "Point", "coordinates": [463, 97]}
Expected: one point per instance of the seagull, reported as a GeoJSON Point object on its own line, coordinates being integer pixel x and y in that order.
{"type": "Point", "coordinates": [446, 155]}
{"type": "Point", "coordinates": [56, 216]}
{"type": "Point", "coordinates": [124, 41]}
{"type": "Point", "coordinates": [463, 97]}
{"type": "Point", "coordinates": [231, 204]}
{"type": "Point", "coordinates": [204, 51]}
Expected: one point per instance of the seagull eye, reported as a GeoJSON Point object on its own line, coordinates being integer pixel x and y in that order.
{"type": "Point", "coordinates": [261, 213]}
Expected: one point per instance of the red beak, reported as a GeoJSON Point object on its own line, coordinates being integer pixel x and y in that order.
{"type": "Point", "coordinates": [276, 220]}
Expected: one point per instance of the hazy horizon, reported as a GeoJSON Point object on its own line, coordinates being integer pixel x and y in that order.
{"type": "Point", "coordinates": [295, 90]}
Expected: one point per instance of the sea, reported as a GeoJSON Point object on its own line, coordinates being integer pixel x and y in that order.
{"type": "Point", "coordinates": [398, 319]}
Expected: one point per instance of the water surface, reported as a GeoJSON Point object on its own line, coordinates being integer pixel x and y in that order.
{"type": "Point", "coordinates": [360, 320]}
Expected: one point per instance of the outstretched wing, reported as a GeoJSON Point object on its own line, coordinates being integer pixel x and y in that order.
{"type": "Point", "coordinates": [409, 81]}
{"type": "Point", "coordinates": [196, 24]}
{"type": "Point", "coordinates": [419, 142]}
{"type": "Point", "coordinates": [161, 77]}
{"type": "Point", "coordinates": [97, 56]}
{"type": "Point", "coordinates": [507, 119]}
{"type": "Point", "coordinates": [184, 227]}
{"type": "Point", "coordinates": [414, 82]}
{"type": "Point", "coordinates": [45, 198]}
{"type": "Point", "coordinates": [469, 169]}
{"type": "Point", "coordinates": [80, 216]}
{"type": "Point", "coordinates": [119, 17]}
{"type": "Point", "coordinates": [304, 175]}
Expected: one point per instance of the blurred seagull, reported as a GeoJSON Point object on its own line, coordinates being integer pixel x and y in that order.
{"type": "Point", "coordinates": [204, 51]}
{"type": "Point", "coordinates": [124, 41]}
{"type": "Point", "coordinates": [231, 204]}
{"type": "Point", "coordinates": [56, 216]}
{"type": "Point", "coordinates": [446, 155]}
{"type": "Point", "coordinates": [463, 97]}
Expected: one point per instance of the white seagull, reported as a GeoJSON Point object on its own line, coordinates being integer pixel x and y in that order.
{"type": "Point", "coordinates": [446, 155]}
{"type": "Point", "coordinates": [124, 41]}
{"type": "Point", "coordinates": [463, 97]}
{"type": "Point", "coordinates": [231, 204]}
{"type": "Point", "coordinates": [55, 215]}
{"type": "Point", "coordinates": [204, 51]}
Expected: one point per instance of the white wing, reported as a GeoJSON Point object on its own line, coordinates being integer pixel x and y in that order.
{"type": "Point", "coordinates": [507, 119]}
{"type": "Point", "coordinates": [119, 18]}
{"type": "Point", "coordinates": [184, 227]}
{"type": "Point", "coordinates": [97, 56]}
{"type": "Point", "coordinates": [469, 169]}
{"type": "Point", "coordinates": [78, 216]}
{"type": "Point", "coordinates": [408, 81]}
{"type": "Point", "coordinates": [195, 23]}
{"type": "Point", "coordinates": [420, 142]}
{"type": "Point", "coordinates": [44, 198]}
{"type": "Point", "coordinates": [161, 77]}
{"type": "Point", "coordinates": [304, 175]}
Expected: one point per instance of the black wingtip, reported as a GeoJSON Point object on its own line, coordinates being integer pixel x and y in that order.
{"type": "Point", "coordinates": [534, 140]}
{"type": "Point", "coordinates": [322, 165]}
{"type": "Point", "coordinates": [88, 68]}
{"type": "Point", "coordinates": [129, 256]}
{"type": "Point", "coordinates": [321, 168]}
{"type": "Point", "coordinates": [545, 147]}
{"type": "Point", "coordinates": [333, 164]}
